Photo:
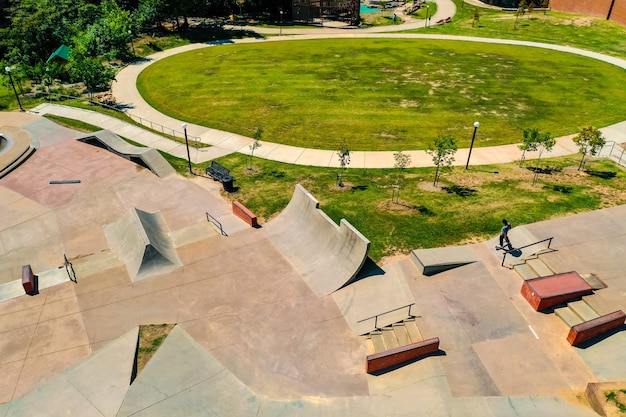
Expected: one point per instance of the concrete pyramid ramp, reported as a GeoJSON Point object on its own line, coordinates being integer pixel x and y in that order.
{"type": "Point", "coordinates": [141, 240]}
{"type": "Point", "coordinates": [183, 379]}
{"type": "Point", "coordinates": [326, 255]}
{"type": "Point", "coordinates": [95, 387]}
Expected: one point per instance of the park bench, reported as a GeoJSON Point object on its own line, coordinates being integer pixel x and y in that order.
{"type": "Point", "coordinates": [217, 171]}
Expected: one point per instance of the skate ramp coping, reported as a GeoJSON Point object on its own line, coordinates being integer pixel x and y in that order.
{"type": "Point", "coordinates": [436, 260]}
{"type": "Point", "coordinates": [326, 255]}
{"type": "Point", "coordinates": [141, 240]}
{"type": "Point", "coordinates": [146, 157]}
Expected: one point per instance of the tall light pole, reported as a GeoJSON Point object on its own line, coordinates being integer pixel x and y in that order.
{"type": "Point", "coordinates": [132, 42]}
{"type": "Point", "coordinates": [476, 124]}
{"type": "Point", "coordinates": [184, 126]}
{"type": "Point", "coordinates": [281, 22]}
{"type": "Point", "coordinates": [8, 70]}
{"type": "Point", "coordinates": [426, 20]}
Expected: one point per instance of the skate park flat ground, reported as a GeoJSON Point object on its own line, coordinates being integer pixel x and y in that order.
{"type": "Point", "coordinates": [243, 312]}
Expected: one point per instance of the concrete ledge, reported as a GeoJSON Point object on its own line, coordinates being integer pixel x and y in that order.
{"type": "Point", "coordinates": [546, 292]}
{"type": "Point", "coordinates": [396, 356]}
{"type": "Point", "coordinates": [28, 280]}
{"type": "Point", "coordinates": [588, 330]}
{"type": "Point", "coordinates": [244, 214]}
{"type": "Point", "coordinates": [436, 260]}
{"type": "Point", "coordinates": [595, 394]}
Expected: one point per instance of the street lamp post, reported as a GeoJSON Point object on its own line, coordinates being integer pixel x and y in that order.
{"type": "Point", "coordinates": [476, 124]}
{"type": "Point", "coordinates": [184, 126]}
{"type": "Point", "coordinates": [281, 22]}
{"type": "Point", "coordinates": [132, 42]}
{"type": "Point", "coordinates": [8, 70]}
{"type": "Point", "coordinates": [426, 20]}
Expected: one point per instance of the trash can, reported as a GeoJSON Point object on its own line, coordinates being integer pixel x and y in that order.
{"type": "Point", "coordinates": [227, 182]}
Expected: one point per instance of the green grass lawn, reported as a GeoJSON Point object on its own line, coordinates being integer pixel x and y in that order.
{"type": "Point", "coordinates": [385, 94]}
{"type": "Point", "coordinates": [585, 32]}
{"type": "Point", "coordinates": [425, 217]}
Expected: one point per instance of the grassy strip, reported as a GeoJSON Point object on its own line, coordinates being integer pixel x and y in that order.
{"type": "Point", "coordinates": [385, 94]}
{"type": "Point", "coordinates": [424, 216]}
{"type": "Point", "coordinates": [585, 32]}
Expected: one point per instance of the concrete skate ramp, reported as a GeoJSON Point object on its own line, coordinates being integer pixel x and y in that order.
{"type": "Point", "coordinates": [326, 255]}
{"type": "Point", "coordinates": [140, 239]}
{"type": "Point", "coordinates": [146, 157]}
{"type": "Point", "coordinates": [435, 260]}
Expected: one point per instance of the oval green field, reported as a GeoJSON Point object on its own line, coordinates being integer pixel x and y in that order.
{"type": "Point", "coordinates": [385, 94]}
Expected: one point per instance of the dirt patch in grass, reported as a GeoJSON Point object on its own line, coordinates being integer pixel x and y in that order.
{"type": "Point", "coordinates": [151, 336]}
{"type": "Point", "coordinates": [428, 186]}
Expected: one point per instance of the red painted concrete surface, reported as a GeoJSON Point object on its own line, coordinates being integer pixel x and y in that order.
{"type": "Point", "coordinates": [599, 8]}
{"type": "Point", "coordinates": [545, 292]}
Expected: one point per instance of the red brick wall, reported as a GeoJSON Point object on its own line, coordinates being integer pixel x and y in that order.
{"type": "Point", "coordinates": [598, 8]}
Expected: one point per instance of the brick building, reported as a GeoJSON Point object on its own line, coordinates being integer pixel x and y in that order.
{"type": "Point", "coordinates": [614, 10]}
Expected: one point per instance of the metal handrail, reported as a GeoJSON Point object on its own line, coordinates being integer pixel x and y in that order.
{"type": "Point", "coordinates": [69, 268]}
{"type": "Point", "coordinates": [549, 240]}
{"type": "Point", "coordinates": [213, 220]}
{"type": "Point", "coordinates": [386, 312]}
{"type": "Point", "coordinates": [144, 122]}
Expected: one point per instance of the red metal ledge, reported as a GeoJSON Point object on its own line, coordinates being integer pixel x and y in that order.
{"type": "Point", "coordinates": [595, 327]}
{"type": "Point", "coordinates": [244, 214]}
{"type": "Point", "coordinates": [396, 356]}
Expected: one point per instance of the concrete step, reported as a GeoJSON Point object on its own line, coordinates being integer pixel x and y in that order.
{"type": "Point", "coordinates": [389, 336]}
{"type": "Point", "coordinates": [377, 341]}
{"type": "Point", "coordinates": [540, 267]}
{"type": "Point", "coordinates": [583, 310]}
{"type": "Point", "coordinates": [401, 334]}
{"type": "Point", "coordinates": [568, 316]}
{"type": "Point", "coordinates": [414, 332]}
{"type": "Point", "coordinates": [525, 271]}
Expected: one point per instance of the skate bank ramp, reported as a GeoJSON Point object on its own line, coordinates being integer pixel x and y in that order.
{"type": "Point", "coordinates": [146, 157]}
{"type": "Point", "coordinates": [326, 255]}
{"type": "Point", "coordinates": [141, 240]}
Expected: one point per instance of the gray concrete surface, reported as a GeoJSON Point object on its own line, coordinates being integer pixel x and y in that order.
{"type": "Point", "coordinates": [327, 256]}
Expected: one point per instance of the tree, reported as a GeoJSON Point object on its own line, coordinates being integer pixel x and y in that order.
{"type": "Point", "coordinates": [520, 11]}
{"type": "Point", "coordinates": [442, 151]}
{"type": "Point", "coordinates": [92, 73]}
{"type": "Point", "coordinates": [344, 161]}
{"type": "Point", "coordinates": [476, 17]}
{"type": "Point", "coordinates": [403, 160]}
{"type": "Point", "coordinates": [534, 140]}
{"type": "Point", "coordinates": [256, 144]}
{"type": "Point", "coordinates": [545, 4]}
{"type": "Point", "coordinates": [589, 141]}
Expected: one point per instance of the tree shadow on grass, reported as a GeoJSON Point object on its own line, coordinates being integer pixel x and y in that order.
{"type": "Point", "coordinates": [606, 175]}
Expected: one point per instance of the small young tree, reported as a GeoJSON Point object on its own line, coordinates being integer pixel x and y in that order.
{"type": "Point", "coordinates": [544, 5]}
{"type": "Point", "coordinates": [521, 8]}
{"type": "Point", "coordinates": [589, 141]}
{"type": "Point", "coordinates": [476, 17]}
{"type": "Point", "coordinates": [534, 140]}
{"type": "Point", "coordinates": [442, 151]}
{"type": "Point", "coordinates": [344, 161]}
{"type": "Point", "coordinates": [254, 145]}
{"type": "Point", "coordinates": [531, 7]}
{"type": "Point", "coordinates": [403, 160]}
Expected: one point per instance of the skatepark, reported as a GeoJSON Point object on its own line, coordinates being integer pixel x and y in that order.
{"type": "Point", "coordinates": [270, 320]}
{"type": "Point", "coordinates": [280, 319]}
